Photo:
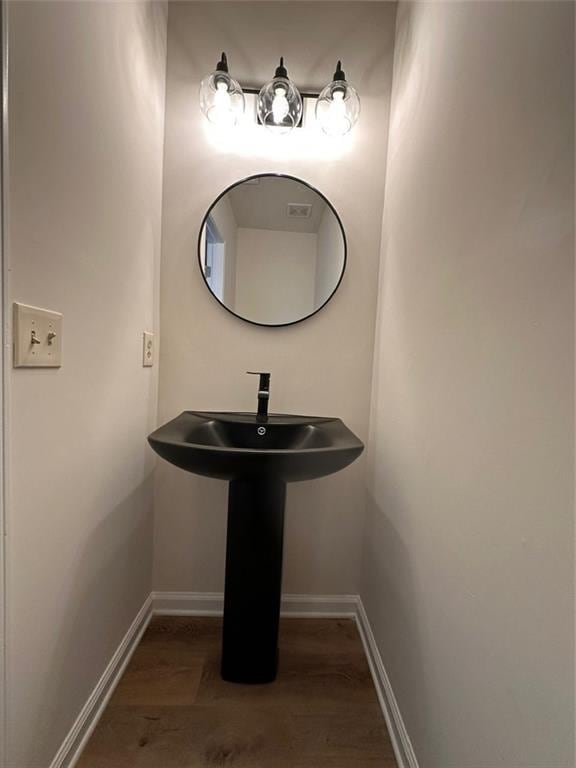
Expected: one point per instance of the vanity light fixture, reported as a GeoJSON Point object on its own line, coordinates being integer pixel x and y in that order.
{"type": "Point", "coordinates": [338, 105]}
{"type": "Point", "coordinates": [221, 97]}
{"type": "Point", "coordinates": [279, 102]}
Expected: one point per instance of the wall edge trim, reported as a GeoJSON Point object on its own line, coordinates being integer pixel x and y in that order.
{"type": "Point", "coordinates": [73, 744]}
{"type": "Point", "coordinates": [403, 749]}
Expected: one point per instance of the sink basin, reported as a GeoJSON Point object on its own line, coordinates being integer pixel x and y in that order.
{"type": "Point", "coordinates": [235, 445]}
{"type": "Point", "coordinates": [258, 456]}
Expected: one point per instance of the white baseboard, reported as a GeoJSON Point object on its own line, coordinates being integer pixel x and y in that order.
{"type": "Point", "coordinates": [187, 603]}
{"type": "Point", "coordinates": [75, 741]}
{"type": "Point", "coordinates": [211, 604]}
{"type": "Point", "coordinates": [403, 749]}
{"type": "Point", "coordinates": [319, 606]}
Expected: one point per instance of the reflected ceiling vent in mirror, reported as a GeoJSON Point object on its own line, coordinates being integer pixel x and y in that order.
{"type": "Point", "coordinates": [279, 103]}
{"type": "Point", "coordinates": [299, 210]}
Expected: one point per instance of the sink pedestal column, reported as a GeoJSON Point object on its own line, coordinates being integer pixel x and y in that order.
{"type": "Point", "coordinates": [253, 580]}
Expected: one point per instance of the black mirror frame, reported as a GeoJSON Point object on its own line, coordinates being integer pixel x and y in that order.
{"type": "Point", "coordinates": [328, 203]}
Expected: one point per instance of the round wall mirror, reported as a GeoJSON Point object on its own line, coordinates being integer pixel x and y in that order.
{"type": "Point", "coordinates": [272, 250]}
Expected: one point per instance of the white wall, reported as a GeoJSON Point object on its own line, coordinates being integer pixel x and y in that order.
{"type": "Point", "coordinates": [275, 274]}
{"type": "Point", "coordinates": [84, 196]}
{"type": "Point", "coordinates": [330, 259]}
{"type": "Point", "coordinates": [468, 576]}
{"type": "Point", "coordinates": [322, 366]}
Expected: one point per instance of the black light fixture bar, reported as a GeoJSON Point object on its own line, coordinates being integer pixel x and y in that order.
{"type": "Point", "coordinates": [304, 94]}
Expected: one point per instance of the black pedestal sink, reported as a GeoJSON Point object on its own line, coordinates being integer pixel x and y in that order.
{"type": "Point", "coordinates": [257, 457]}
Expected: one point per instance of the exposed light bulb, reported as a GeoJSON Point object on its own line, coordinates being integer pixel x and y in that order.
{"type": "Point", "coordinates": [280, 106]}
{"type": "Point", "coordinates": [339, 122]}
{"type": "Point", "coordinates": [222, 111]}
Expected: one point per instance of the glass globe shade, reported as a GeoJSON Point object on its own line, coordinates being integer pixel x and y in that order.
{"type": "Point", "coordinates": [279, 105]}
{"type": "Point", "coordinates": [338, 108]}
{"type": "Point", "coordinates": [221, 99]}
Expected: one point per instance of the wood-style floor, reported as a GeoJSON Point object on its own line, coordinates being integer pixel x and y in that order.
{"type": "Point", "coordinates": [172, 710]}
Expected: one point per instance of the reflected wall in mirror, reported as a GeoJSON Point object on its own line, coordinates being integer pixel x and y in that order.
{"type": "Point", "coordinates": [272, 250]}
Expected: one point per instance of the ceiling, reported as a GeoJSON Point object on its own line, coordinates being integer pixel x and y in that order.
{"type": "Point", "coordinates": [263, 204]}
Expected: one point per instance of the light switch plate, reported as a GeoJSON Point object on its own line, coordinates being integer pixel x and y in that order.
{"type": "Point", "coordinates": [148, 350]}
{"type": "Point", "coordinates": [37, 337]}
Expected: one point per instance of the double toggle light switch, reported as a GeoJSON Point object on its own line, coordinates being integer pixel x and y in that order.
{"type": "Point", "coordinates": [35, 340]}
{"type": "Point", "coordinates": [37, 337]}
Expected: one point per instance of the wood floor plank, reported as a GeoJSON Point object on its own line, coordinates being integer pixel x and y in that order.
{"type": "Point", "coordinates": [172, 709]}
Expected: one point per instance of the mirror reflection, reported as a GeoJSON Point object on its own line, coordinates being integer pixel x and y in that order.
{"type": "Point", "coordinates": [272, 250]}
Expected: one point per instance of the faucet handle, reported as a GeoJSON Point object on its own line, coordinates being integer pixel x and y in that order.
{"type": "Point", "coordinates": [264, 379]}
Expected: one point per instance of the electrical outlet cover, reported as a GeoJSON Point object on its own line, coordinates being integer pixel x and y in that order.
{"type": "Point", "coordinates": [148, 350]}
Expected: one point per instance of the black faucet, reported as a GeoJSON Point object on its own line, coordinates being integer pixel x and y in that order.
{"type": "Point", "coordinates": [263, 393]}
